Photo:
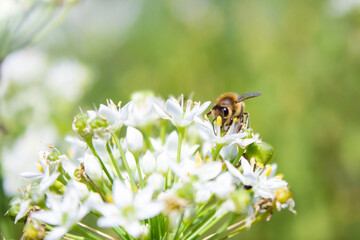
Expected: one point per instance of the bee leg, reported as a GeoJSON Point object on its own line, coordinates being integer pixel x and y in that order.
{"type": "Point", "coordinates": [212, 124]}
{"type": "Point", "coordinates": [247, 119]}
{"type": "Point", "coordinates": [208, 114]}
{"type": "Point", "coordinates": [229, 125]}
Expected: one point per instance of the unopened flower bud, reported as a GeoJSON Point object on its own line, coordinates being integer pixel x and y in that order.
{"type": "Point", "coordinates": [283, 194]}
{"type": "Point", "coordinates": [241, 199]}
{"type": "Point", "coordinates": [262, 152]}
{"type": "Point", "coordinates": [134, 139]}
{"type": "Point", "coordinates": [81, 128]}
{"type": "Point", "coordinates": [97, 122]}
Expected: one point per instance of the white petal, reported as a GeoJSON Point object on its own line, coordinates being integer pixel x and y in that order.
{"type": "Point", "coordinates": [209, 170]}
{"type": "Point", "coordinates": [122, 195]}
{"type": "Point", "coordinates": [111, 221]}
{"type": "Point", "coordinates": [31, 175]}
{"type": "Point", "coordinates": [149, 210]}
{"type": "Point", "coordinates": [174, 109]}
{"type": "Point", "coordinates": [56, 233]}
{"type": "Point", "coordinates": [23, 210]}
{"type": "Point", "coordinates": [134, 228]}
{"type": "Point", "coordinates": [49, 217]}
{"type": "Point", "coordinates": [234, 171]}
{"type": "Point", "coordinates": [160, 112]}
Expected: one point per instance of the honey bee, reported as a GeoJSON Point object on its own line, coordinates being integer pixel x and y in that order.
{"type": "Point", "coordinates": [230, 108]}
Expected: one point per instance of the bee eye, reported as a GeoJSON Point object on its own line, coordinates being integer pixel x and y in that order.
{"type": "Point", "coordinates": [225, 111]}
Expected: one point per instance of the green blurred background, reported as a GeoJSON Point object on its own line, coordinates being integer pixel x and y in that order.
{"type": "Point", "coordinates": [304, 56]}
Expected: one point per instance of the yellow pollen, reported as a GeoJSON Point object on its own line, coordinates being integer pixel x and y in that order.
{"type": "Point", "coordinates": [235, 119]}
{"type": "Point", "coordinates": [207, 159]}
{"type": "Point", "coordinates": [260, 165]}
{"type": "Point", "coordinates": [109, 198]}
{"type": "Point", "coordinates": [268, 170]}
{"type": "Point", "coordinates": [206, 117]}
{"type": "Point", "coordinates": [219, 121]}
{"type": "Point", "coordinates": [39, 167]}
{"type": "Point", "coordinates": [113, 140]}
{"type": "Point", "coordinates": [198, 161]}
{"type": "Point", "coordinates": [279, 176]}
{"type": "Point", "coordinates": [70, 153]}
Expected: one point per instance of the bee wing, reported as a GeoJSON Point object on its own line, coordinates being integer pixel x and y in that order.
{"type": "Point", "coordinates": [248, 95]}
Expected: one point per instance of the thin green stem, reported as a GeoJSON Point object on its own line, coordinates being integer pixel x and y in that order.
{"type": "Point", "coordinates": [181, 131]}
{"type": "Point", "coordinates": [91, 146]}
{"type": "Point", "coordinates": [95, 231]}
{"type": "Point", "coordinates": [231, 233]}
{"type": "Point", "coordinates": [136, 155]}
{"type": "Point", "coordinates": [238, 156]}
{"type": "Point", "coordinates": [123, 158]}
{"type": "Point", "coordinates": [217, 151]}
{"type": "Point", "coordinates": [115, 164]}
{"type": "Point", "coordinates": [146, 134]}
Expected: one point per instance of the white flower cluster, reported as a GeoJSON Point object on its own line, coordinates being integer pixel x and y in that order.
{"type": "Point", "coordinates": [24, 21]}
{"type": "Point", "coordinates": [34, 88]}
{"type": "Point", "coordinates": [152, 169]}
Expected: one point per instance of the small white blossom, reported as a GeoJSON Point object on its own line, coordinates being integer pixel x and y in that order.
{"type": "Point", "coordinates": [128, 209]}
{"type": "Point", "coordinates": [208, 133]}
{"type": "Point", "coordinates": [258, 180]}
{"type": "Point", "coordinates": [63, 212]}
{"type": "Point", "coordinates": [174, 111]}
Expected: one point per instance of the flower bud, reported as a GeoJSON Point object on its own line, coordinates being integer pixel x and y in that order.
{"type": "Point", "coordinates": [262, 152]}
{"type": "Point", "coordinates": [134, 139]}
{"type": "Point", "coordinates": [81, 128]}
{"type": "Point", "coordinates": [148, 163]}
{"type": "Point", "coordinates": [93, 168]}
{"type": "Point", "coordinates": [97, 122]}
{"type": "Point", "coordinates": [283, 194]}
{"type": "Point", "coordinates": [241, 199]}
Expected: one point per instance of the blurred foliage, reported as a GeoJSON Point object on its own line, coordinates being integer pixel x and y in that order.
{"type": "Point", "coordinates": [302, 57]}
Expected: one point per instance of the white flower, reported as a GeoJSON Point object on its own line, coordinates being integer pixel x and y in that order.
{"type": "Point", "coordinates": [134, 139]}
{"type": "Point", "coordinates": [67, 79]}
{"type": "Point", "coordinates": [148, 163]}
{"type": "Point", "coordinates": [170, 148]}
{"type": "Point", "coordinates": [63, 212]}
{"type": "Point", "coordinates": [114, 117]}
{"type": "Point", "coordinates": [188, 169]}
{"type": "Point", "coordinates": [128, 209]}
{"type": "Point", "coordinates": [258, 180]}
{"type": "Point", "coordinates": [156, 182]}
{"type": "Point", "coordinates": [208, 133]}
{"type": "Point", "coordinates": [174, 111]}
{"type": "Point", "coordinates": [142, 112]}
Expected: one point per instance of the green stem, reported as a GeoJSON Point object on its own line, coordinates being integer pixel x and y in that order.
{"type": "Point", "coordinates": [123, 158]}
{"type": "Point", "coordinates": [217, 150]}
{"type": "Point", "coordinates": [206, 226]}
{"type": "Point", "coordinates": [136, 155]}
{"type": "Point", "coordinates": [95, 231]}
{"type": "Point", "coordinates": [146, 134]}
{"type": "Point", "coordinates": [181, 131]}
{"type": "Point", "coordinates": [238, 156]}
{"type": "Point", "coordinates": [231, 233]}
{"type": "Point", "coordinates": [91, 146]}
{"type": "Point", "coordinates": [116, 165]}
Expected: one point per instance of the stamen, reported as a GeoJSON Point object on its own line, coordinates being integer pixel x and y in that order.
{"type": "Point", "coordinates": [268, 170]}
{"type": "Point", "coordinates": [219, 121]}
